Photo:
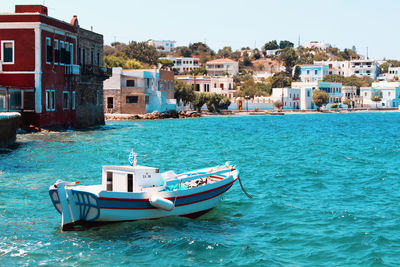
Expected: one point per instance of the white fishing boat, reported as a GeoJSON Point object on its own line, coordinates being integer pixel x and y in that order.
{"type": "Point", "coordinates": [138, 192]}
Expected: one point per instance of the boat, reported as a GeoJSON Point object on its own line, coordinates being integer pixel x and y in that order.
{"type": "Point", "coordinates": [135, 192]}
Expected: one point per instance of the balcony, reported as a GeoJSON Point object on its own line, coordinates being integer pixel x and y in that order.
{"type": "Point", "coordinates": [296, 98]}
{"type": "Point", "coordinates": [72, 69]}
{"type": "Point", "coordinates": [93, 70]}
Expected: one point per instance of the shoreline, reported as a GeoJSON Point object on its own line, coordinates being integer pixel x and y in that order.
{"type": "Point", "coordinates": [143, 117]}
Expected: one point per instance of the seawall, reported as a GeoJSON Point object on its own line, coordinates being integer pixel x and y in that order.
{"type": "Point", "coordinates": [9, 123]}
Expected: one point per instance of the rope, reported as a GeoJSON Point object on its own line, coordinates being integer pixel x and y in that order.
{"type": "Point", "coordinates": [244, 190]}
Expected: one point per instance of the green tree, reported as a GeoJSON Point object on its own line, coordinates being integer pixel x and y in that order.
{"type": "Point", "coordinates": [271, 45]}
{"type": "Point", "coordinates": [141, 51]}
{"type": "Point", "coordinates": [347, 102]}
{"type": "Point", "coordinates": [183, 51]}
{"type": "Point", "coordinates": [199, 71]}
{"type": "Point", "coordinates": [252, 89]}
{"type": "Point", "coordinates": [199, 101]}
{"type": "Point", "coordinates": [320, 98]}
{"type": "Point", "coordinates": [183, 92]}
{"type": "Point", "coordinates": [121, 61]}
{"type": "Point", "coordinates": [376, 97]}
{"type": "Point", "coordinates": [216, 102]}
{"type": "Point", "coordinates": [280, 80]}
{"type": "Point", "coordinates": [278, 104]}
{"type": "Point", "coordinates": [289, 57]}
{"type": "Point", "coordinates": [384, 67]}
{"type": "Point", "coordinates": [225, 52]}
{"type": "Point", "coordinates": [165, 63]}
{"type": "Point", "coordinates": [285, 43]}
{"type": "Point", "coordinates": [133, 64]}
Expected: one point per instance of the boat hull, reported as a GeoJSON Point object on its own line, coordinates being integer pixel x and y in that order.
{"type": "Point", "coordinates": [113, 206]}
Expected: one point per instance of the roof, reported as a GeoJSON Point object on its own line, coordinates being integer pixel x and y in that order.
{"type": "Point", "coordinates": [221, 60]}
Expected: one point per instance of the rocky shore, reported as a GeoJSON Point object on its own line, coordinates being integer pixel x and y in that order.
{"type": "Point", "coordinates": [153, 116]}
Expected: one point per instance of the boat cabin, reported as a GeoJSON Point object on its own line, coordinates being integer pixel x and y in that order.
{"type": "Point", "coordinates": [131, 179]}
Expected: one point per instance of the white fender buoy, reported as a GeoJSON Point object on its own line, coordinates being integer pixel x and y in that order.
{"type": "Point", "coordinates": [161, 203]}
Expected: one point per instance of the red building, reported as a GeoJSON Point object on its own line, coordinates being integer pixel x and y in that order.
{"type": "Point", "coordinates": [38, 66]}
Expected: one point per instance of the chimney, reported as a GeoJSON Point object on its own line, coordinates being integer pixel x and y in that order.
{"type": "Point", "coordinates": [31, 9]}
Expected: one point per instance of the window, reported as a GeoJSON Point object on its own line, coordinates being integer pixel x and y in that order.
{"type": "Point", "coordinates": [308, 72]}
{"type": "Point", "coordinates": [147, 99]}
{"type": "Point", "coordinates": [65, 100]}
{"type": "Point", "coordinates": [316, 72]}
{"type": "Point", "coordinates": [148, 83]}
{"type": "Point", "coordinates": [67, 59]}
{"type": "Point", "coordinates": [109, 181]}
{"type": "Point", "coordinates": [7, 52]}
{"type": "Point", "coordinates": [308, 93]}
{"type": "Point", "coordinates": [98, 59]}
{"type": "Point", "coordinates": [49, 51]}
{"type": "Point", "coordinates": [73, 100]}
{"type": "Point", "coordinates": [15, 100]}
{"type": "Point", "coordinates": [365, 94]}
{"type": "Point", "coordinates": [130, 83]}
{"type": "Point", "coordinates": [98, 98]}
{"type": "Point", "coordinates": [110, 102]}
{"type": "Point", "coordinates": [132, 99]}
{"type": "Point", "coordinates": [56, 53]}
{"type": "Point", "coordinates": [388, 93]}
{"type": "Point", "coordinates": [50, 100]}
{"type": "Point", "coordinates": [71, 53]}
{"type": "Point", "coordinates": [62, 52]}
{"type": "Point", "coordinates": [221, 86]}
{"type": "Point", "coordinates": [198, 87]}
{"type": "Point", "coordinates": [130, 182]}
{"type": "Point", "coordinates": [2, 100]}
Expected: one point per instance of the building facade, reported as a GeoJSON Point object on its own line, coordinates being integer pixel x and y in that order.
{"type": "Point", "coordinates": [290, 97]}
{"type": "Point", "coordinates": [39, 66]}
{"type": "Point", "coordinates": [306, 88]}
{"type": "Point", "coordinates": [163, 45]}
{"type": "Point", "coordinates": [222, 66]}
{"type": "Point", "coordinates": [389, 92]}
{"type": "Point", "coordinates": [313, 73]}
{"type": "Point", "coordinates": [316, 44]}
{"type": "Point", "coordinates": [137, 92]}
{"type": "Point", "coordinates": [89, 90]}
{"type": "Point", "coordinates": [183, 64]}
{"type": "Point", "coordinates": [207, 84]}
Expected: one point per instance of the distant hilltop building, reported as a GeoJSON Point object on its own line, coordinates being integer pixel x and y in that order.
{"type": "Point", "coordinates": [163, 45]}
{"type": "Point", "coordinates": [222, 66]}
{"type": "Point", "coordinates": [316, 44]}
{"type": "Point", "coordinates": [183, 64]}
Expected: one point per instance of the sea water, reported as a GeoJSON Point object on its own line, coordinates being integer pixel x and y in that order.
{"type": "Point", "coordinates": [325, 187]}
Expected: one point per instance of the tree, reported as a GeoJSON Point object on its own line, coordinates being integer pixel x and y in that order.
{"type": "Point", "coordinates": [246, 60]}
{"type": "Point", "coordinates": [376, 97]}
{"type": "Point", "coordinates": [201, 48]}
{"type": "Point", "coordinates": [289, 57]}
{"type": "Point", "coordinates": [284, 44]}
{"type": "Point", "coordinates": [121, 61]}
{"type": "Point", "coordinates": [216, 102]}
{"type": "Point", "coordinates": [280, 80]}
{"type": "Point", "coordinates": [252, 89]}
{"type": "Point", "coordinates": [199, 101]}
{"type": "Point", "coordinates": [278, 104]}
{"type": "Point", "coordinates": [347, 102]}
{"type": "Point", "coordinates": [183, 92]}
{"type": "Point", "coordinates": [384, 67]}
{"type": "Point", "coordinates": [225, 52]}
{"type": "Point", "coordinates": [183, 51]}
{"type": "Point", "coordinates": [271, 45]}
{"type": "Point", "coordinates": [257, 55]}
{"type": "Point", "coordinates": [297, 72]}
{"type": "Point", "coordinates": [199, 71]}
{"type": "Point", "coordinates": [133, 64]}
{"type": "Point", "coordinates": [141, 51]}
{"type": "Point", "coordinates": [165, 63]}
{"type": "Point", "coordinates": [353, 80]}
{"type": "Point", "coordinates": [320, 98]}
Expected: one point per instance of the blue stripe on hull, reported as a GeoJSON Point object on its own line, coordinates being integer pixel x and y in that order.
{"type": "Point", "coordinates": [144, 204]}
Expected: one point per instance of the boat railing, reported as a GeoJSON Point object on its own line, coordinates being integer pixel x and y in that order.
{"type": "Point", "coordinates": [188, 177]}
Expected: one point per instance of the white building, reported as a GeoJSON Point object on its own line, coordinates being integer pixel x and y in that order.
{"type": "Point", "coordinates": [184, 64]}
{"type": "Point", "coordinates": [358, 67]}
{"type": "Point", "coordinates": [364, 67]}
{"type": "Point", "coordinates": [393, 73]}
{"type": "Point", "coordinates": [222, 85]}
{"type": "Point", "coordinates": [389, 91]}
{"type": "Point", "coordinates": [222, 66]}
{"type": "Point", "coordinates": [136, 92]}
{"type": "Point", "coordinates": [316, 44]}
{"type": "Point", "coordinates": [163, 45]}
{"type": "Point", "coordinates": [290, 97]}
{"type": "Point", "coordinates": [306, 88]}
{"type": "Point", "coordinates": [312, 73]}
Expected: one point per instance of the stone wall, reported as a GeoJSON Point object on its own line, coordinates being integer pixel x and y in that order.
{"type": "Point", "coordinates": [9, 123]}
{"type": "Point", "coordinates": [119, 101]}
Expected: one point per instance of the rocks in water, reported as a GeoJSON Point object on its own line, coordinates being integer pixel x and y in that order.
{"type": "Point", "coordinates": [155, 115]}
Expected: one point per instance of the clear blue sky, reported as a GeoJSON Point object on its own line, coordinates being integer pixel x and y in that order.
{"type": "Point", "coordinates": [342, 23]}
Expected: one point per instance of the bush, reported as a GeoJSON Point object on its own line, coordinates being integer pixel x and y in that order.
{"type": "Point", "coordinates": [216, 102]}
{"type": "Point", "coordinates": [335, 105]}
{"type": "Point", "coordinates": [256, 109]}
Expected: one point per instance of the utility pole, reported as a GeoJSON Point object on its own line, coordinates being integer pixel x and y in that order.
{"type": "Point", "coordinates": [367, 53]}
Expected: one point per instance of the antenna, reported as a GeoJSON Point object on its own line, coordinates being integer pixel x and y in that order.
{"type": "Point", "coordinates": [298, 44]}
{"type": "Point", "coordinates": [367, 53]}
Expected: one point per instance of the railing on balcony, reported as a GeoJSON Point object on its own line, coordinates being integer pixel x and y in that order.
{"type": "Point", "coordinates": [72, 69]}
{"type": "Point", "coordinates": [95, 70]}
{"type": "Point", "coordinates": [296, 98]}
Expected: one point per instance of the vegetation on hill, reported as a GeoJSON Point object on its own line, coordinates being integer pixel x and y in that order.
{"type": "Point", "coordinates": [350, 81]}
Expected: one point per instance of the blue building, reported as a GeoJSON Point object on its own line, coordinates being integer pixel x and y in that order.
{"type": "Point", "coordinates": [313, 73]}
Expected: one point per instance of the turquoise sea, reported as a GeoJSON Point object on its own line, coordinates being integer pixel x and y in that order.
{"type": "Point", "coordinates": [326, 191]}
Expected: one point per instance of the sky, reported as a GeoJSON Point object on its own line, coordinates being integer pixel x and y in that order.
{"type": "Point", "coordinates": [250, 23]}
